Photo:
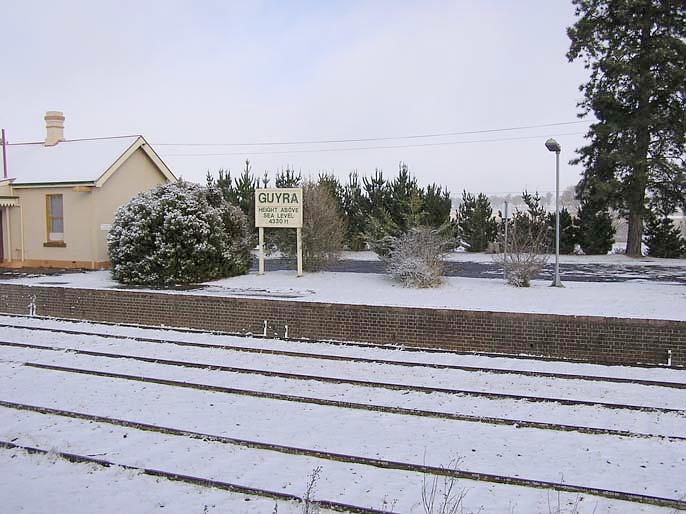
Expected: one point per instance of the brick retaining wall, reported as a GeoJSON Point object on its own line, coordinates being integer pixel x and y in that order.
{"type": "Point", "coordinates": [595, 339]}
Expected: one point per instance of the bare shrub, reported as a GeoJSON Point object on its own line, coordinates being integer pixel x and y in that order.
{"type": "Point", "coordinates": [441, 494]}
{"type": "Point", "coordinates": [309, 504]}
{"type": "Point", "coordinates": [322, 231]}
{"type": "Point", "coordinates": [526, 248]}
{"type": "Point", "coordinates": [573, 507]}
{"type": "Point", "coordinates": [416, 258]}
{"type": "Point", "coordinates": [388, 505]}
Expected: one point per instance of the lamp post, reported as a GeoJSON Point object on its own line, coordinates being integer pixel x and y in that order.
{"type": "Point", "coordinates": [554, 146]}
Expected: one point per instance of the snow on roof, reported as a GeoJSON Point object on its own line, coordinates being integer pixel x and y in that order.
{"type": "Point", "coordinates": [68, 161]}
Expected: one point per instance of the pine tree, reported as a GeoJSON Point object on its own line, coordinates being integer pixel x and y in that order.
{"type": "Point", "coordinates": [223, 184]}
{"type": "Point", "coordinates": [437, 205]}
{"type": "Point", "coordinates": [636, 53]}
{"type": "Point", "coordinates": [537, 212]}
{"type": "Point", "coordinates": [244, 193]}
{"type": "Point", "coordinates": [264, 180]}
{"type": "Point", "coordinates": [354, 213]}
{"type": "Point", "coordinates": [331, 184]}
{"type": "Point", "coordinates": [662, 238]}
{"type": "Point", "coordinates": [568, 231]}
{"type": "Point", "coordinates": [377, 196]}
{"type": "Point", "coordinates": [406, 199]}
{"type": "Point", "coordinates": [535, 220]}
{"type": "Point", "coordinates": [380, 225]}
{"type": "Point", "coordinates": [288, 178]}
{"type": "Point", "coordinates": [476, 225]}
{"type": "Point", "coordinates": [595, 232]}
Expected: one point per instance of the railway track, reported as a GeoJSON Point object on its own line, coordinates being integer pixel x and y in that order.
{"type": "Point", "coordinates": [339, 457]}
{"type": "Point", "coordinates": [335, 380]}
{"type": "Point", "coordinates": [359, 406]}
{"type": "Point", "coordinates": [331, 357]}
{"type": "Point", "coordinates": [194, 480]}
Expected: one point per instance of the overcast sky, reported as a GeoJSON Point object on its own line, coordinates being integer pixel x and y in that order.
{"type": "Point", "coordinates": [253, 72]}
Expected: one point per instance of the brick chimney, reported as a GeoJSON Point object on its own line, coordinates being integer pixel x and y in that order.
{"type": "Point", "coordinates": [54, 128]}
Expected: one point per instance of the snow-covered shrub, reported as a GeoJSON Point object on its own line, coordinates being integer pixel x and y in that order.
{"type": "Point", "coordinates": [526, 251]}
{"type": "Point", "coordinates": [178, 233]}
{"type": "Point", "coordinates": [416, 258]}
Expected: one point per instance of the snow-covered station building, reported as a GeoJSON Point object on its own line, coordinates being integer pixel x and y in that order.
{"type": "Point", "coordinates": [58, 196]}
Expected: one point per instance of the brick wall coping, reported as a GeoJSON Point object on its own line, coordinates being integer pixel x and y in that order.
{"type": "Point", "coordinates": [607, 340]}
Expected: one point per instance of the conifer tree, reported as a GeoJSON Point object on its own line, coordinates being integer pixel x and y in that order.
{"type": "Point", "coordinates": [568, 231]}
{"type": "Point", "coordinates": [331, 184]}
{"type": "Point", "coordinates": [288, 178]}
{"type": "Point", "coordinates": [636, 53]}
{"type": "Point", "coordinates": [244, 193]}
{"type": "Point", "coordinates": [354, 213]}
{"type": "Point", "coordinates": [377, 197]}
{"type": "Point", "coordinates": [662, 238]}
{"type": "Point", "coordinates": [223, 184]}
{"type": "Point", "coordinates": [595, 232]}
{"type": "Point", "coordinates": [405, 199]}
{"type": "Point", "coordinates": [437, 205]}
{"type": "Point", "coordinates": [476, 225]}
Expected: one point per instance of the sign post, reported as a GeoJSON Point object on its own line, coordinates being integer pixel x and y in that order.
{"type": "Point", "coordinates": [279, 208]}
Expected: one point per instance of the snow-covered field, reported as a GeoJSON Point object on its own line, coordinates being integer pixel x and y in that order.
{"type": "Point", "coordinates": [313, 410]}
{"type": "Point", "coordinates": [634, 299]}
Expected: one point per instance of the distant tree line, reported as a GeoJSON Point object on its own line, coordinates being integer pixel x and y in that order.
{"type": "Point", "coordinates": [373, 210]}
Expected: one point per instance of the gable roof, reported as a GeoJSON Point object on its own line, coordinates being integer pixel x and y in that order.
{"type": "Point", "coordinates": [78, 161]}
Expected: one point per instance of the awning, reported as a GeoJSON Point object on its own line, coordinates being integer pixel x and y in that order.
{"type": "Point", "coordinates": [9, 201]}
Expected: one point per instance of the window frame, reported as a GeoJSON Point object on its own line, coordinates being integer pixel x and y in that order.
{"type": "Point", "coordinates": [49, 220]}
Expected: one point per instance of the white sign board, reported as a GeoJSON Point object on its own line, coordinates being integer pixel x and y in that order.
{"type": "Point", "coordinates": [279, 208]}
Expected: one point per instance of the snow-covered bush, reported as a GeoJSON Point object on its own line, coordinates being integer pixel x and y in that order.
{"type": "Point", "coordinates": [178, 233]}
{"type": "Point", "coordinates": [416, 258]}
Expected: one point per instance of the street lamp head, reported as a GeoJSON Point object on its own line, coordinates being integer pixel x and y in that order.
{"type": "Point", "coordinates": [553, 145]}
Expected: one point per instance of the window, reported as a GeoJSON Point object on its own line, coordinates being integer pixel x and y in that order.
{"type": "Point", "coordinates": [55, 218]}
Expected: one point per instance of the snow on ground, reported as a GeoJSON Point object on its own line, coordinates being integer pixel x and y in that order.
{"type": "Point", "coordinates": [634, 299]}
{"type": "Point", "coordinates": [55, 484]}
{"type": "Point", "coordinates": [605, 392]}
{"type": "Point", "coordinates": [644, 465]}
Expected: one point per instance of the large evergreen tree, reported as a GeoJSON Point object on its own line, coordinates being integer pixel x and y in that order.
{"type": "Point", "coordinates": [636, 53]}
